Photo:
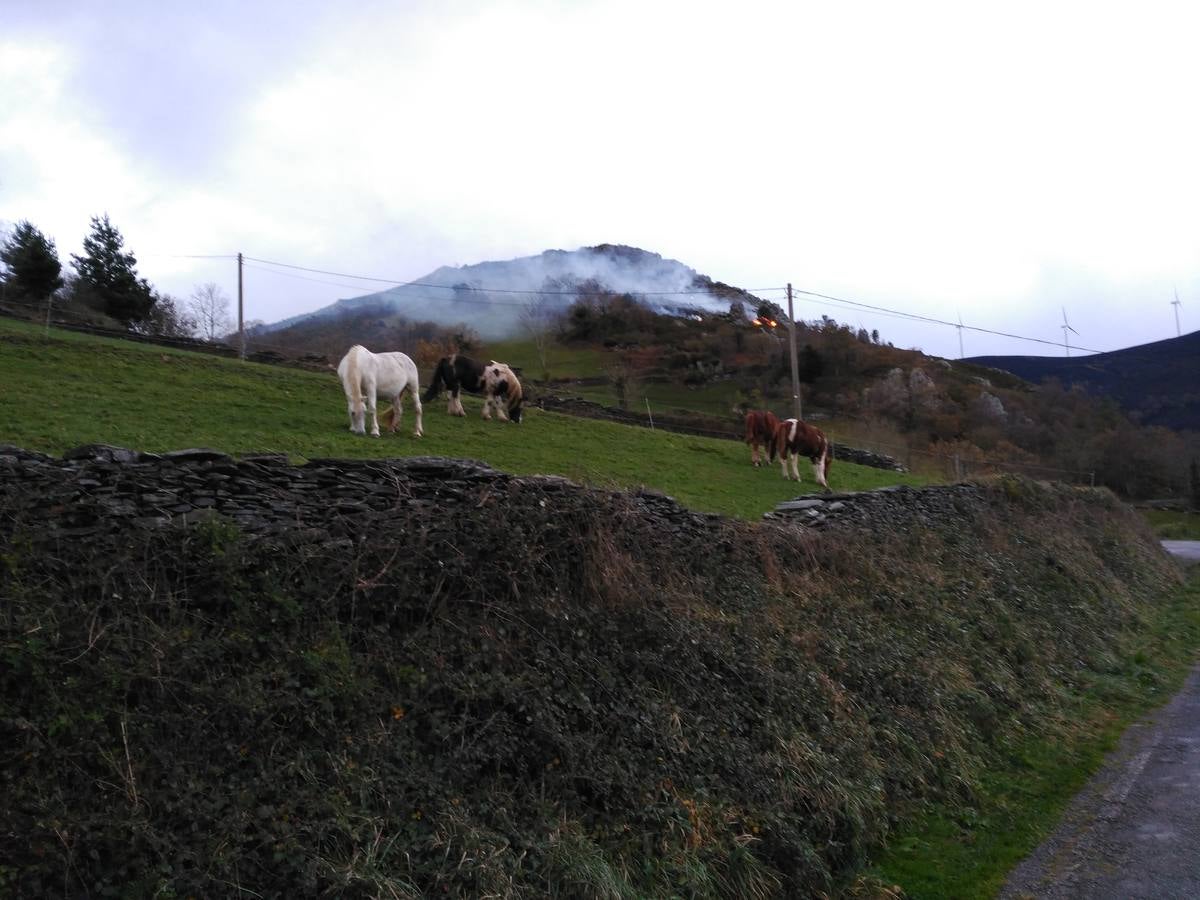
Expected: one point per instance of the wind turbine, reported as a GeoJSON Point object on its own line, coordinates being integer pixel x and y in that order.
{"type": "Point", "coordinates": [1175, 303]}
{"type": "Point", "coordinates": [961, 354]}
{"type": "Point", "coordinates": [1066, 326]}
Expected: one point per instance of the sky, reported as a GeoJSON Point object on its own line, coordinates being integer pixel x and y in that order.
{"type": "Point", "coordinates": [998, 163]}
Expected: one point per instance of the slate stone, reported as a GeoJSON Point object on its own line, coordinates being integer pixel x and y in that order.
{"type": "Point", "coordinates": [195, 455]}
{"type": "Point", "coordinates": [805, 503]}
{"type": "Point", "coordinates": [104, 452]}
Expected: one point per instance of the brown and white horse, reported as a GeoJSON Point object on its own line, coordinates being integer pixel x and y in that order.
{"type": "Point", "coordinates": [794, 439]}
{"type": "Point", "coordinates": [502, 392]}
{"type": "Point", "coordinates": [457, 373]}
{"type": "Point", "coordinates": [761, 426]}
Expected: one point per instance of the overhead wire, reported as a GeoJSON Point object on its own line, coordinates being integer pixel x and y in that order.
{"type": "Point", "coordinates": [490, 290]}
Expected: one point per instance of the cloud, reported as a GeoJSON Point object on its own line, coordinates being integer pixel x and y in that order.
{"type": "Point", "coordinates": [936, 157]}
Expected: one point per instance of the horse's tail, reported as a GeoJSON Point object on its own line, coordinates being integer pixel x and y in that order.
{"type": "Point", "coordinates": [352, 379]}
{"type": "Point", "coordinates": [751, 427]}
{"type": "Point", "coordinates": [439, 379]}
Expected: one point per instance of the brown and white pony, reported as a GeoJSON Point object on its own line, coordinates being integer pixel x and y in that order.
{"type": "Point", "coordinates": [502, 392]}
{"type": "Point", "coordinates": [794, 439]}
{"type": "Point", "coordinates": [458, 373]}
{"type": "Point", "coordinates": [761, 426]}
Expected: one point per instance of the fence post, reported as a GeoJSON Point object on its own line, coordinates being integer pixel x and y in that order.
{"type": "Point", "coordinates": [648, 413]}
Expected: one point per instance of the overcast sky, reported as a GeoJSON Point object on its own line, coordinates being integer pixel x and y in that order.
{"type": "Point", "coordinates": [995, 161]}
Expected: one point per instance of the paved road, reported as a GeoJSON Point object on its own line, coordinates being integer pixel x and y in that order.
{"type": "Point", "coordinates": [1188, 551]}
{"type": "Point", "coordinates": [1134, 831]}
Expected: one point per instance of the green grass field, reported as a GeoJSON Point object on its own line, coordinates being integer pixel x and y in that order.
{"type": "Point", "coordinates": [953, 853]}
{"type": "Point", "coordinates": [1173, 525]}
{"type": "Point", "coordinates": [68, 389]}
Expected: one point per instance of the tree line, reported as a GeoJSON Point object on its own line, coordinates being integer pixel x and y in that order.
{"type": "Point", "coordinates": [105, 283]}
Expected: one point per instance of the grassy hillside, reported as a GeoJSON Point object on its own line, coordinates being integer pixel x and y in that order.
{"type": "Point", "coordinates": [73, 389]}
{"type": "Point", "coordinates": [625, 701]}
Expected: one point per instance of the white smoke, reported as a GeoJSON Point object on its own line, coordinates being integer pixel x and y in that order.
{"type": "Point", "coordinates": [490, 296]}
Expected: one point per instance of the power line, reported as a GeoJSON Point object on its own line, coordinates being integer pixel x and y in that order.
{"type": "Point", "coordinates": [846, 304]}
{"type": "Point", "coordinates": [930, 319]}
{"type": "Point", "coordinates": [490, 290]}
{"type": "Point", "coordinates": [441, 300]}
{"type": "Point", "coordinates": [192, 255]}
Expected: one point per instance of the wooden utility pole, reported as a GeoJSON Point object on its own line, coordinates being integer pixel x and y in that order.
{"type": "Point", "coordinates": [241, 319]}
{"type": "Point", "coordinates": [796, 407]}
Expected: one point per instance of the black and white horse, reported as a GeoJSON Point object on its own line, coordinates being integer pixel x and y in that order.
{"type": "Point", "coordinates": [458, 373]}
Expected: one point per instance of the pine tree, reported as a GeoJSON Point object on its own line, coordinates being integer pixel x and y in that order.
{"type": "Point", "coordinates": [34, 271]}
{"type": "Point", "coordinates": [108, 275]}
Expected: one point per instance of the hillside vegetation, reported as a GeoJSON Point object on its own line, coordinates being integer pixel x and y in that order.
{"type": "Point", "coordinates": [497, 686]}
{"type": "Point", "coordinates": [73, 389]}
{"type": "Point", "coordinates": [1158, 383]}
{"type": "Point", "coordinates": [940, 416]}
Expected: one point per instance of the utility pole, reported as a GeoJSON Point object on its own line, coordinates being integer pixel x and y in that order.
{"type": "Point", "coordinates": [241, 320]}
{"type": "Point", "coordinates": [1175, 303]}
{"type": "Point", "coordinates": [795, 364]}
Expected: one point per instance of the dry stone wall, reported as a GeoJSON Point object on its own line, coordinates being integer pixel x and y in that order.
{"type": "Point", "coordinates": [99, 490]}
{"type": "Point", "coordinates": [887, 507]}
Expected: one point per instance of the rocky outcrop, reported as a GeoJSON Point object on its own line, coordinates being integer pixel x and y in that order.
{"type": "Point", "coordinates": [891, 508]}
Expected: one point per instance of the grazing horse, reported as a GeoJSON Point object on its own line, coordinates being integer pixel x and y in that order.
{"type": "Point", "coordinates": [760, 431]}
{"type": "Point", "coordinates": [794, 439]}
{"type": "Point", "coordinates": [502, 391]}
{"type": "Point", "coordinates": [458, 373]}
{"type": "Point", "coordinates": [364, 374]}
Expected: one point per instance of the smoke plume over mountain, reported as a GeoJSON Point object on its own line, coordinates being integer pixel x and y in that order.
{"type": "Point", "coordinates": [490, 297]}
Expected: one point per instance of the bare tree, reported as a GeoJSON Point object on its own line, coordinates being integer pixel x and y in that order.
{"type": "Point", "coordinates": [210, 308]}
{"type": "Point", "coordinates": [537, 318]}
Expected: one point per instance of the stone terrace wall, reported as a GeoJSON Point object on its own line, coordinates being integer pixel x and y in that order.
{"type": "Point", "coordinates": [888, 507]}
{"type": "Point", "coordinates": [97, 491]}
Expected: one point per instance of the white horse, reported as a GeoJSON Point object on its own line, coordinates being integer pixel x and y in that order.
{"type": "Point", "coordinates": [364, 374]}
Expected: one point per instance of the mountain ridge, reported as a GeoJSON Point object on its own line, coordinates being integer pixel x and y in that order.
{"type": "Point", "coordinates": [1156, 383]}
{"type": "Point", "coordinates": [491, 295]}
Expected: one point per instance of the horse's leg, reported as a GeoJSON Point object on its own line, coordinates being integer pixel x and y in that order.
{"type": "Point", "coordinates": [783, 461]}
{"type": "Point", "coordinates": [416, 398]}
{"type": "Point", "coordinates": [796, 466]}
{"type": "Point", "coordinates": [487, 406]}
{"type": "Point", "coordinates": [819, 471]}
{"type": "Point", "coordinates": [370, 392]}
{"type": "Point", "coordinates": [393, 418]}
